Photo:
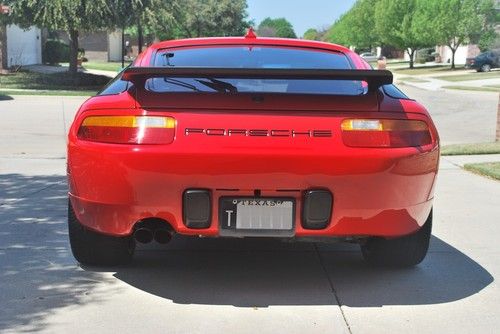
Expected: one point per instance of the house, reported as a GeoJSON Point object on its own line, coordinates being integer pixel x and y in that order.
{"type": "Point", "coordinates": [20, 46]}
{"type": "Point", "coordinates": [99, 45]}
{"type": "Point", "coordinates": [463, 52]}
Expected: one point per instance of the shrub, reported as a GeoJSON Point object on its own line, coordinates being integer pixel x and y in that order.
{"type": "Point", "coordinates": [55, 51]}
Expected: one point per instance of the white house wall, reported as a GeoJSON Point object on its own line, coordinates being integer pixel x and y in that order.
{"type": "Point", "coordinates": [115, 46]}
{"type": "Point", "coordinates": [23, 46]}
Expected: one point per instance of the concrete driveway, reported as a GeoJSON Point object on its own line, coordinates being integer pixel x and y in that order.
{"type": "Point", "coordinates": [233, 286]}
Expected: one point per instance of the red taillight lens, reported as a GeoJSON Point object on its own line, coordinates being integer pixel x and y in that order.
{"type": "Point", "coordinates": [128, 129]}
{"type": "Point", "coordinates": [385, 133]}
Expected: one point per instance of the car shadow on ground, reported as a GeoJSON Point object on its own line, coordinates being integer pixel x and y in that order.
{"type": "Point", "coordinates": [39, 276]}
{"type": "Point", "coordinates": [257, 272]}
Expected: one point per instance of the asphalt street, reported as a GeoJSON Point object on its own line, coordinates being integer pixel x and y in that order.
{"type": "Point", "coordinates": [242, 286]}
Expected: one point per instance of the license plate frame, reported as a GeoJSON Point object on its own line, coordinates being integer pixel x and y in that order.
{"type": "Point", "coordinates": [228, 221]}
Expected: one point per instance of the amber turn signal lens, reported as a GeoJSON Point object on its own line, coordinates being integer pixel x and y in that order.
{"type": "Point", "coordinates": [385, 133]}
{"type": "Point", "coordinates": [128, 129]}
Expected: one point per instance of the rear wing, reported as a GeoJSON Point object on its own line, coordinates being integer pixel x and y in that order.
{"type": "Point", "coordinates": [374, 78]}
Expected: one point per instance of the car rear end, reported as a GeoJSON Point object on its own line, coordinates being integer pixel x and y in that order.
{"type": "Point", "coordinates": [276, 139]}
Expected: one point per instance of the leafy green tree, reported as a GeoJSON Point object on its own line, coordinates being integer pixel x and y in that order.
{"type": "Point", "coordinates": [72, 16]}
{"type": "Point", "coordinates": [453, 22]}
{"type": "Point", "coordinates": [356, 27]}
{"type": "Point", "coordinates": [200, 18]}
{"type": "Point", "coordinates": [340, 33]}
{"type": "Point", "coordinates": [488, 38]}
{"type": "Point", "coordinates": [399, 24]}
{"type": "Point", "coordinates": [316, 34]}
{"type": "Point", "coordinates": [279, 27]}
{"type": "Point", "coordinates": [311, 34]}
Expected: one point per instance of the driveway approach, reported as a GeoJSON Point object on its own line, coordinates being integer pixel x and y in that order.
{"type": "Point", "coordinates": [226, 286]}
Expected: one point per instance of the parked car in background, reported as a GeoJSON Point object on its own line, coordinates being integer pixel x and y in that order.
{"type": "Point", "coordinates": [425, 55]}
{"type": "Point", "coordinates": [485, 61]}
{"type": "Point", "coordinates": [369, 56]}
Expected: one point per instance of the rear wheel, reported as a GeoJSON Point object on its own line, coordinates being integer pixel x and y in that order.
{"type": "Point", "coordinates": [94, 248]}
{"type": "Point", "coordinates": [486, 68]}
{"type": "Point", "coordinates": [405, 251]}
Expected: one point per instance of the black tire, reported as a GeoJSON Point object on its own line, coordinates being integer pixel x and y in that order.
{"type": "Point", "coordinates": [94, 248]}
{"type": "Point", "coordinates": [485, 68]}
{"type": "Point", "coordinates": [406, 251]}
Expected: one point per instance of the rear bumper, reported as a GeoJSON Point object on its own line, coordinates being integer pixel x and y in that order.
{"type": "Point", "coordinates": [377, 192]}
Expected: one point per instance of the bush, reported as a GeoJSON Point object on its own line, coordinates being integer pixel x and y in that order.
{"type": "Point", "coordinates": [420, 60]}
{"type": "Point", "coordinates": [55, 51]}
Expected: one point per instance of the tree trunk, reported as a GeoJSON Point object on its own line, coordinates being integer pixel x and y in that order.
{"type": "Point", "coordinates": [3, 47]}
{"type": "Point", "coordinates": [453, 50]}
{"type": "Point", "coordinates": [140, 39]}
{"type": "Point", "coordinates": [73, 52]}
{"type": "Point", "coordinates": [411, 54]}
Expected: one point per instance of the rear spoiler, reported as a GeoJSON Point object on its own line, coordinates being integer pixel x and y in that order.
{"type": "Point", "coordinates": [374, 78]}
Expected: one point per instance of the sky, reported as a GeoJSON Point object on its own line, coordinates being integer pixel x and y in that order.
{"type": "Point", "coordinates": [302, 14]}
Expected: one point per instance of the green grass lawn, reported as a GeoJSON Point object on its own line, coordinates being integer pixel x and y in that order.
{"type": "Point", "coordinates": [425, 70]}
{"type": "Point", "coordinates": [473, 88]}
{"type": "Point", "coordinates": [468, 149]}
{"type": "Point", "coordinates": [55, 83]}
{"type": "Point", "coordinates": [4, 94]}
{"type": "Point", "coordinates": [104, 66]}
{"type": "Point", "coordinates": [470, 76]}
{"type": "Point", "coordinates": [413, 79]}
{"type": "Point", "coordinates": [489, 169]}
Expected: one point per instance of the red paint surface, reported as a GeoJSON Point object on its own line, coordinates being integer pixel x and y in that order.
{"type": "Point", "coordinates": [377, 191]}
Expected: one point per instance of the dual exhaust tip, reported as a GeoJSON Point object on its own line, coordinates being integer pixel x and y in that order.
{"type": "Point", "coordinates": [145, 235]}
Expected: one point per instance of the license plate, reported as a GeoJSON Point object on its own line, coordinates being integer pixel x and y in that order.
{"type": "Point", "coordinates": [256, 216]}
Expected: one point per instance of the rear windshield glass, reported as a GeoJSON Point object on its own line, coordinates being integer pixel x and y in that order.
{"type": "Point", "coordinates": [253, 57]}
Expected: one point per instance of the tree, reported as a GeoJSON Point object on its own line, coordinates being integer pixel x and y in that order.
{"type": "Point", "coordinates": [311, 34]}
{"type": "Point", "coordinates": [400, 24]}
{"type": "Point", "coordinates": [489, 38]}
{"type": "Point", "coordinates": [279, 27]}
{"type": "Point", "coordinates": [199, 18]}
{"type": "Point", "coordinates": [72, 16]}
{"type": "Point", "coordinates": [316, 34]}
{"type": "Point", "coordinates": [453, 22]}
{"type": "Point", "coordinates": [356, 27]}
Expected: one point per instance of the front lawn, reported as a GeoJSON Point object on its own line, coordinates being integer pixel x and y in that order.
{"type": "Point", "coordinates": [420, 70]}
{"type": "Point", "coordinates": [5, 94]}
{"type": "Point", "coordinates": [57, 82]}
{"type": "Point", "coordinates": [104, 66]}
{"type": "Point", "coordinates": [475, 88]}
{"type": "Point", "coordinates": [470, 76]}
{"type": "Point", "coordinates": [469, 149]}
{"type": "Point", "coordinates": [489, 169]}
{"type": "Point", "coordinates": [413, 79]}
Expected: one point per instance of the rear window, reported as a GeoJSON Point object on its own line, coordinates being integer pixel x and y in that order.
{"type": "Point", "coordinates": [253, 57]}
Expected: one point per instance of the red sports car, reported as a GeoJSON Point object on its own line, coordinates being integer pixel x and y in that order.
{"type": "Point", "coordinates": [251, 137]}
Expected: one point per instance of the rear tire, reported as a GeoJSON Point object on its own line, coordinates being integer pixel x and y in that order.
{"type": "Point", "coordinates": [486, 68]}
{"type": "Point", "coordinates": [94, 248]}
{"type": "Point", "coordinates": [405, 251]}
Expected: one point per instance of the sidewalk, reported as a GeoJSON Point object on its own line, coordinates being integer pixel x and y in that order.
{"type": "Point", "coordinates": [48, 69]}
